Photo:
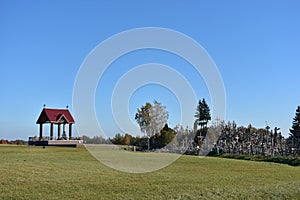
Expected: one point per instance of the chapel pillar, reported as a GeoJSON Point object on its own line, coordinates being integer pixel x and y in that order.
{"type": "Point", "coordinates": [70, 131]}
{"type": "Point", "coordinates": [58, 131]}
{"type": "Point", "coordinates": [51, 131]}
{"type": "Point", "coordinates": [41, 131]}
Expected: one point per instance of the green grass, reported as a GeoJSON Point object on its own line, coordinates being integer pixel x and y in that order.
{"type": "Point", "coordinates": [72, 173]}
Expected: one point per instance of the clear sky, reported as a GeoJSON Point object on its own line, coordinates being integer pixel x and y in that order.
{"type": "Point", "coordinates": [255, 45]}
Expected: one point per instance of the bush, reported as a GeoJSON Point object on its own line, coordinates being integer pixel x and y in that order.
{"type": "Point", "coordinates": [3, 141]}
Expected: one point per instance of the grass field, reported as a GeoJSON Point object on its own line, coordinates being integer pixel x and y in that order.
{"type": "Point", "coordinates": [72, 173]}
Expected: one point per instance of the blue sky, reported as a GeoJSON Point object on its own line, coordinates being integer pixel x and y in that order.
{"type": "Point", "coordinates": [255, 45]}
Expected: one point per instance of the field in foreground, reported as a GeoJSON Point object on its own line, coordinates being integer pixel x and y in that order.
{"type": "Point", "coordinates": [72, 173]}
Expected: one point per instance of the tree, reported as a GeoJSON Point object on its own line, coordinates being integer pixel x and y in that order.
{"type": "Point", "coordinates": [158, 117]}
{"type": "Point", "coordinates": [202, 117]}
{"type": "Point", "coordinates": [143, 119]}
{"type": "Point", "coordinates": [202, 114]}
{"type": "Point", "coordinates": [151, 119]}
{"type": "Point", "coordinates": [127, 139]}
{"type": "Point", "coordinates": [118, 139]}
{"type": "Point", "coordinates": [295, 130]}
{"type": "Point", "coordinates": [164, 137]}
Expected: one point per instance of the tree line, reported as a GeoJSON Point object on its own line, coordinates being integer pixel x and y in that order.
{"type": "Point", "coordinates": [156, 141]}
{"type": "Point", "coordinates": [232, 139]}
{"type": "Point", "coordinates": [14, 142]}
{"type": "Point", "coordinates": [204, 139]}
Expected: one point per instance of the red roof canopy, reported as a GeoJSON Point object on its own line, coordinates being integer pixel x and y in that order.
{"type": "Point", "coordinates": [49, 115]}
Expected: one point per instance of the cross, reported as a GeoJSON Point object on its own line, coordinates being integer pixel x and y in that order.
{"type": "Point", "coordinates": [217, 119]}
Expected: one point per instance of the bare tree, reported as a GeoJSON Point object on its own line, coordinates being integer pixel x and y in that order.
{"type": "Point", "coordinates": [151, 119]}
{"type": "Point", "coordinates": [158, 118]}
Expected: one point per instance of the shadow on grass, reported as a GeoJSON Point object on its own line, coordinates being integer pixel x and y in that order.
{"type": "Point", "coordinates": [293, 161]}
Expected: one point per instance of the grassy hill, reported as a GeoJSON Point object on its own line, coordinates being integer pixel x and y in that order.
{"type": "Point", "coordinates": [72, 173]}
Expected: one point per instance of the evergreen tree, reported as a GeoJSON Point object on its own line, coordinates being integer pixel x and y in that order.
{"type": "Point", "coordinates": [163, 138]}
{"type": "Point", "coordinates": [295, 130]}
{"type": "Point", "coordinates": [202, 114]}
{"type": "Point", "coordinates": [207, 116]}
{"type": "Point", "coordinates": [202, 117]}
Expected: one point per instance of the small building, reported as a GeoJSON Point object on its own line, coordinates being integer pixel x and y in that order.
{"type": "Point", "coordinates": [61, 118]}
{"type": "Point", "coordinates": [56, 117]}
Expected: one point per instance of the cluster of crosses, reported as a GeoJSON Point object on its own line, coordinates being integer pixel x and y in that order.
{"type": "Point", "coordinates": [241, 140]}
{"type": "Point", "coordinates": [230, 139]}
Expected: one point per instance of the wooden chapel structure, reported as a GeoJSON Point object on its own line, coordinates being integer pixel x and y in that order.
{"type": "Point", "coordinates": [61, 118]}
{"type": "Point", "coordinates": [56, 117]}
